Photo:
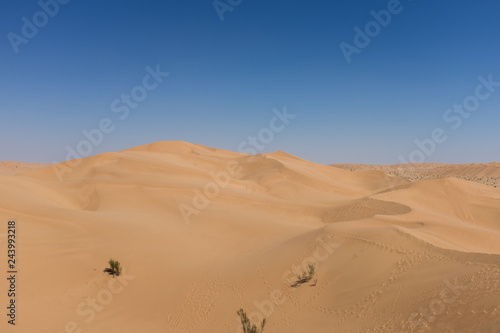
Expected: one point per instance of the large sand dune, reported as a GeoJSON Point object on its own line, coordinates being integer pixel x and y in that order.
{"type": "Point", "coordinates": [203, 232]}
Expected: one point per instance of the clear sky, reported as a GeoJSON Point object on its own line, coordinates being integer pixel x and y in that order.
{"type": "Point", "coordinates": [63, 68]}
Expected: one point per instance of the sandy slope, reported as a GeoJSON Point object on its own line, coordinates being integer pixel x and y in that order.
{"type": "Point", "coordinates": [388, 251]}
{"type": "Point", "coordinates": [486, 173]}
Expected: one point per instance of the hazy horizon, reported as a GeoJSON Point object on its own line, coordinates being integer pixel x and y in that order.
{"type": "Point", "coordinates": [270, 152]}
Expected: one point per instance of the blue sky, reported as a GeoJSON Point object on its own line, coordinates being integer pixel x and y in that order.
{"type": "Point", "coordinates": [227, 76]}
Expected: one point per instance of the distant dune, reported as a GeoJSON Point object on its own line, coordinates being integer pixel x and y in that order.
{"type": "Point", "coordinates": [487, 174]}
{"type": "Point", "coordinates": [10, 168]}
{"type": "Point", "coordinates": [203, 232]}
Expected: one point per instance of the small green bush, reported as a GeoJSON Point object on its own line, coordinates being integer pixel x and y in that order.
{"type": "Point", "coordinates": [248, 326]}
{"type": "Point", "coordinates": [306, 277]}
{"type": "Point", "coordinates": [114, 267]}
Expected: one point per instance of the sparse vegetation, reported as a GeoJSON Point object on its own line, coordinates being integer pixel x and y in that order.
{"type": "Point", "coordinates": [248, 326]}
{"type": "Point", "coordinates": [114, 268]}
{"type": "Point", "coordinates": [306, 276]}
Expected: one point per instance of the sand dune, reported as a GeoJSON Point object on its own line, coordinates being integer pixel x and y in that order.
{"type": "Point", "coordinates": [203, 232]}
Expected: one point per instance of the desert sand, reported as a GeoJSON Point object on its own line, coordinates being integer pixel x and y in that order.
{"type": "Point", "coordinates": [11, 168]}
{"type": "Point", "coordinates": [486, 173]}
{"type": "Point", "coordinates": [203, 232]}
